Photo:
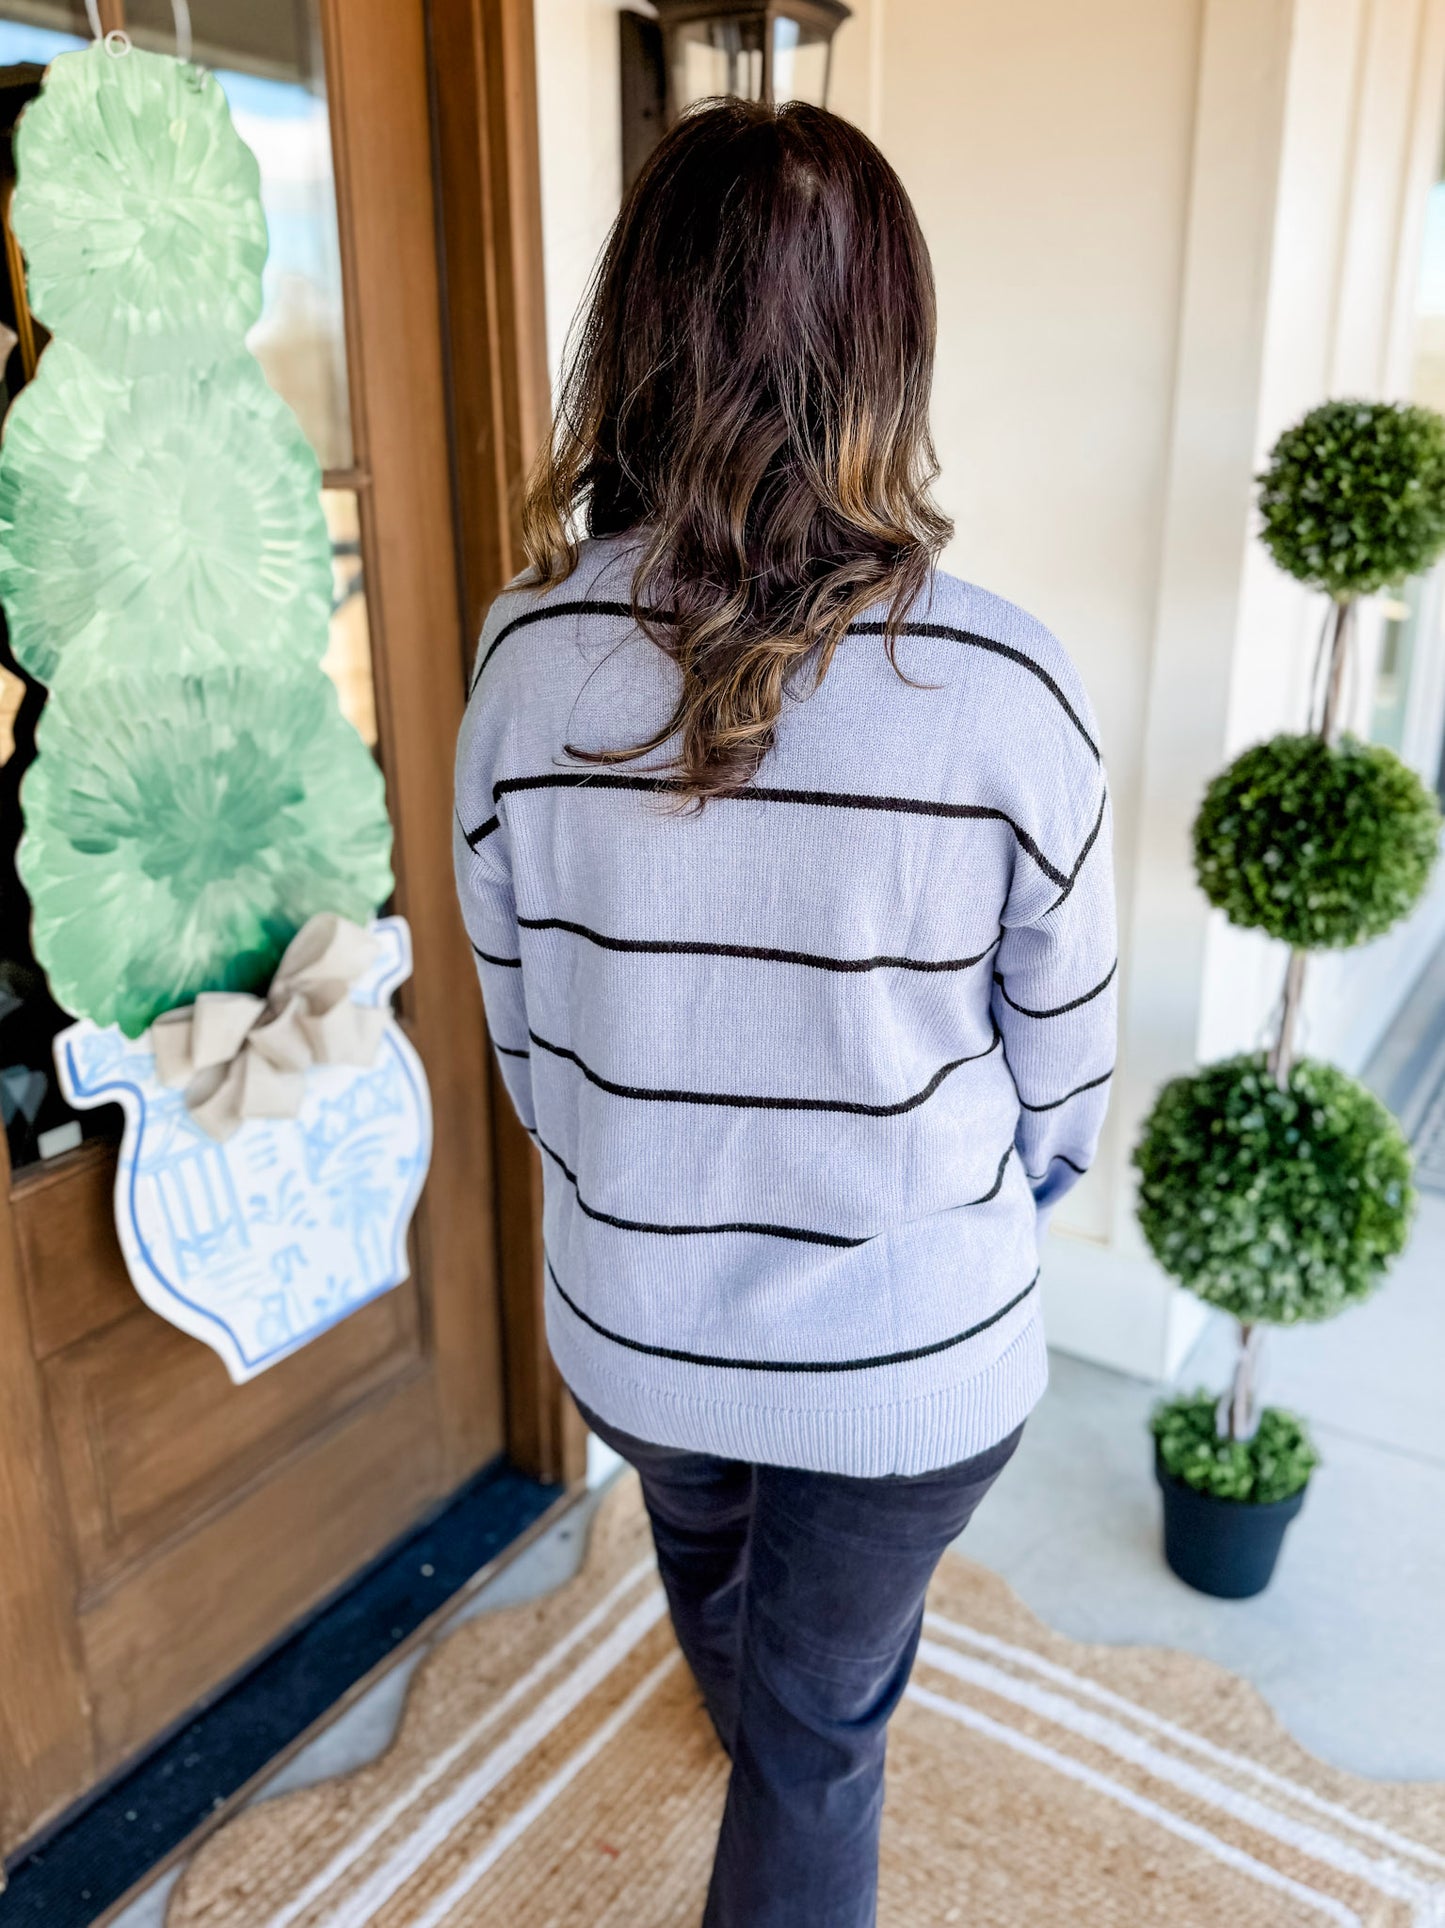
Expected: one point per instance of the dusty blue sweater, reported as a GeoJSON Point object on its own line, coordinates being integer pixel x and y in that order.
{"type": "Point", "coordinates": [804, 1069]}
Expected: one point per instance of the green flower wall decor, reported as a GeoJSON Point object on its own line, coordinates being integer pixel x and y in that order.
{"type": "Point", "coordinates": [165, 567]}
{"type": "Point", "coordinates": [181, 829]}
{"type": "Point", "coordinates": [138, 209]}
{"type": "Point", "coordinates": [170, 522]}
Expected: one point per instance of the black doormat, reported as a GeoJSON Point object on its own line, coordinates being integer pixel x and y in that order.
{"type": "Point", "coordinates": [92, 1859]}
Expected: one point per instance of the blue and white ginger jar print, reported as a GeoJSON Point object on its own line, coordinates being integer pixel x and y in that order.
{"type": "Point", "coordinates": [257, 1244]}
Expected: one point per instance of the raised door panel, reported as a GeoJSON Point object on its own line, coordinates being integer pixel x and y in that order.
{"type": "Point", "coordinates": [188, 1619]}
{"type": "Point", "coordinates": [46, 1747]}
{"type": "Point", "coordinates": [381, 108]}
{"type": "Point", "coordinates": [75, 1278]}
{"type": "Point", "coordinates": [152, 1436]}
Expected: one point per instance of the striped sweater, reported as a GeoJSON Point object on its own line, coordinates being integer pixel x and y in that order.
{"type": "Point", "coordinates": [806, 1068]}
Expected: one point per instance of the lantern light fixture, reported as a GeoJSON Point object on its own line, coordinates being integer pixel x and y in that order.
{"type": "Point", "coordinates": [776, 51]}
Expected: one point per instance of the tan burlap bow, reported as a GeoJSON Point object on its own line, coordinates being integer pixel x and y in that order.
{"type": "Point", "coordinates": [243, 1057]}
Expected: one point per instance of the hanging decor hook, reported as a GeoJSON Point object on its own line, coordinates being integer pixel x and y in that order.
{"type": "Point", "coordinates": [117, 42]}
{"type": "Point", "coordinates": [181, 13]}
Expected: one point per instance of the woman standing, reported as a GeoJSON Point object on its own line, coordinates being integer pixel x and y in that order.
{"type": "Point", "coordinates": [785, 857]}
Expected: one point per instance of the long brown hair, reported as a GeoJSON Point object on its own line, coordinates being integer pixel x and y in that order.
{"type": "Point", "coordinates": [749, 392]}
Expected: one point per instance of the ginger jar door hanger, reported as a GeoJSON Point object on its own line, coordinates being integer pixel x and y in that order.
{"type": "Point", "coordinates": [206, 839]}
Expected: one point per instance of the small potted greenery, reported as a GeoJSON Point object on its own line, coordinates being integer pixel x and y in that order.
{"type": "Point", "coordinates": [1275, 1186]}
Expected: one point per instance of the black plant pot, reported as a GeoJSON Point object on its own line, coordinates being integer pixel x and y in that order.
{"type": "Point", "coordinates": [1227, 1548]}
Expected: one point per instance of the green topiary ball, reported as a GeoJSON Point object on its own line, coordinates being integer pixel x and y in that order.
{"type": "Point", "coordinates": [1319, 846]}
{"type": "Point", "coordinates": [1272, 1466]}
{"type": "Point", "coordinates": [1276, 1205]}
{"type": "Point", "coordinates": [1354, 496]}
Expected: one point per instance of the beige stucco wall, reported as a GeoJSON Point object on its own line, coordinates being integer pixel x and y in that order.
{"type": "Point", "coordinates": [579, 117]}
{"type": "Point", "coordinates": [1051, 175]}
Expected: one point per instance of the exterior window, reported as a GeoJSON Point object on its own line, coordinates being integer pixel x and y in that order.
{"type": "Point", "coordinates": [1428, 379]}
{"type": "Point", "coordinates": [1407, 711]}
{"type": "Point", "coordinates": [1399, 640]}
{"type": "Point", "coordinates": [348, 657]}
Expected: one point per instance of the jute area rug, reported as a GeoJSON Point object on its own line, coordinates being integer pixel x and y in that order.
{"type": "Point", "coordinates": [553, 1767]}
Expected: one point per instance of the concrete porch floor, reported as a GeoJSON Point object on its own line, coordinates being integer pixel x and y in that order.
{"type": "Point", "coordinates": [1346, 1645]}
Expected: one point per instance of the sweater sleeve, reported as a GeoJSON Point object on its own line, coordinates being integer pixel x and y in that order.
{"type": "Point", "coordinates": [481, 855]}
{"type": "Point", "coordinates": [1055, 1003]}
{"type": "Point", "coordinates": [484, 887]}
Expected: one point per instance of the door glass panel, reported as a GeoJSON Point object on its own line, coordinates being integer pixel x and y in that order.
{"type": "Point", "coordinates": [24, 42]}
{"type": "Point", "coordinates": [299, 340]}
{"type": "Point", "coordinates": [348, 656]}
{"type": "Point", "coordinates": [267, 56]}
{"type": "Point", "coordinates": [35, 1117]}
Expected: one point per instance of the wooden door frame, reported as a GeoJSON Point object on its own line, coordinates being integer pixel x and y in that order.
{"type": "Point", "coordinates": [484, 106]}
{"type": "Point", "coordinates": [382, 141]}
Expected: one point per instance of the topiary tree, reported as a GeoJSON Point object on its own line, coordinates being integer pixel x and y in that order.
{"type": "Point", "coordinates": [1277, 1187]}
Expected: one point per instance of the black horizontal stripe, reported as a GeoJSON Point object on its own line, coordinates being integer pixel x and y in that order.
{"type": "Point", "coordinates": [1057, 1010]}
{"type": "Point", "coordinates": [765, 953]}
{"type": "Point", "coordinates": [794, 1232]}
{"type": "Point", "coordinates": [1059, 1158]}
{"type": "Point", "coordinates": [766, 793]}
{"type": "Point", "coordinates": [696, 1231]}
{"type": "Point", "coordinates": [763, 1103]}
{"type": "Point", "coordinates": [511, 963]}
{"type": "Point", "coordinates": [948, 633]}
{"type": "Point", "coordinates": [790, 1365]}
{"type": "Point", "coordinates": [474, 837]}
{"type": "Point", "coordinates": [510, 1050]}
{"type": "Point", "coordinates": [584, 606]}
{"type": "Point", "coordinates": [1089, 843]}
{"type": "Point", "coordinates": [1054, 1103]}
{"type": "Point", "coordinates": [996, 1187]}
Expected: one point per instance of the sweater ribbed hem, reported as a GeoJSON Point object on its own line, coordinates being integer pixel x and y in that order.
{"type": "Point", "coordinates": [897, 1437]}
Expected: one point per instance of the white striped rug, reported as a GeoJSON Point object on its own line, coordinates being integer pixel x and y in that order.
{"type": "Point", "coordinates": [553, 1770]}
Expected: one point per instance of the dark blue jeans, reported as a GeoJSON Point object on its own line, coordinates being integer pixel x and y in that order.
{"type": "Point", "coordinates": [797, 1599]}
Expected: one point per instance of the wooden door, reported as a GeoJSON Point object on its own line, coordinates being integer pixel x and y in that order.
{"type": "Point", "coordinates": [158, 1525]}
